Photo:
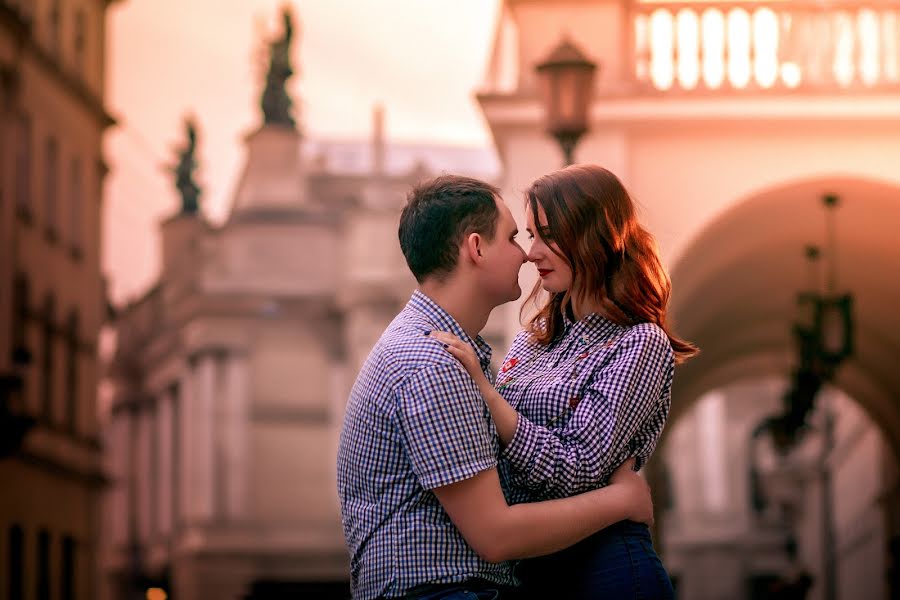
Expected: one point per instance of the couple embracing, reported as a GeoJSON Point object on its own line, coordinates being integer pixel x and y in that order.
{"type": "Point", "coordinates": [455, 486]}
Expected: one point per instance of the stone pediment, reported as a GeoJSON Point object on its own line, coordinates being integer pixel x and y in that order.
{"type": "Point", "coordinates": [273, 175]}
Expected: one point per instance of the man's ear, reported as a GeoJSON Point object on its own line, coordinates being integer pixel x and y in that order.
{"type": "Point", "coordinates": [472, 246]}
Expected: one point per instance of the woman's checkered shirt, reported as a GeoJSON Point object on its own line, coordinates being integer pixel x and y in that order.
{"type": "Point", "coordinates": [598, 395]}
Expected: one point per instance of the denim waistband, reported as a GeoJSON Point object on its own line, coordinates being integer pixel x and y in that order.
{"type": "Point", "coordinates": [628, 529]}
{"type": "Point", "coordinates": [474, 585]}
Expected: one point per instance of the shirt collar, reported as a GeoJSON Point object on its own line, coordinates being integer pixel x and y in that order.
{"type": "Point", "coordinates": [441, 320]}
{"type": "Point", "coordinates": [592, 327]}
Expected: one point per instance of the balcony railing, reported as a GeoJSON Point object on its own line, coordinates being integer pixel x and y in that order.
{"type": "Point", "coordinates": [785, 45]}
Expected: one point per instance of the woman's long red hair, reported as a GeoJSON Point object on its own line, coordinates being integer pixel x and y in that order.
{"type": "Point", "coordinates": [614, 260]}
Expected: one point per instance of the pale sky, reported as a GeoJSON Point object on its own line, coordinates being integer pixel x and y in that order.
{"type": "Point", "coordinates": [423, 59]}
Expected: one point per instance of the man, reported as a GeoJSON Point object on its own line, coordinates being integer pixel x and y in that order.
{"type": "Point", "coordinates": [421, 503]}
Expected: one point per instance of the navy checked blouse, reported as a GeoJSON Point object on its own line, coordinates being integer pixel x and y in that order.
{"type": "Point", "coordinates": [414, 422]}
{"type": "Point", "coordinates": [596, 396]}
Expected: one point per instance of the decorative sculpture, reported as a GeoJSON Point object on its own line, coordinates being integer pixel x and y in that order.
{"type": "Point", "coordinates": [276, 103]}
{"type": "Point", "coordinates": [184, 171]}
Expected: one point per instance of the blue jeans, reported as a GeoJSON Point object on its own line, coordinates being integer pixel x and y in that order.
{"type": "Point", "coordinates": [618, 562]}
{"type": "Point", "coordinates": [474, 590]}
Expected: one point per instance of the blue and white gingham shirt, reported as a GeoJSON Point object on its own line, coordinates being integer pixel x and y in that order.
{"type": "Point", "coordinates": [414, 422]}
{"type": "Point", "coordinates": [596, 396]}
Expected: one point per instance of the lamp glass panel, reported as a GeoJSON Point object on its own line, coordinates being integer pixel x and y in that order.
{"type": "Point", "coordinates": [834, 328]}
{"type": "Point", "coordinates": [567, 91]}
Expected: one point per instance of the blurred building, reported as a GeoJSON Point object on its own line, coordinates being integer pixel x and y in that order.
{"type": "Point", "coordinates": [52, 119]}
{"type": "Point", "coordinates": [729, 121]}
{"type": "Point", "coordinates": [743, 521]}
{"type": "Point", "coordinates": [231, 374]}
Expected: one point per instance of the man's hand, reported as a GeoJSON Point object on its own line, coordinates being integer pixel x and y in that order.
{"type": "Point", "coordinates": [641, 504]}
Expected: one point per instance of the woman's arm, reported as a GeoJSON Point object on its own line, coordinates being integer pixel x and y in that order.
{"type": "Point", "coordinates": [498, 532]}
{"type": "Point", "coordinates": [506, 419]}
{"type": "Point", "coordinates": [620, 399]}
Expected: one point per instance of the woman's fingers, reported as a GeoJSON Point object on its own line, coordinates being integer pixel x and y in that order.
{"type": "Point", "coordinates": [446, 337]}
{"type": "Point", "coordinates": [459, 349]}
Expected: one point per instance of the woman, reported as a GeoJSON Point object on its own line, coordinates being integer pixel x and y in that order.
{"type": "Point", "coordinates": [587, 383]}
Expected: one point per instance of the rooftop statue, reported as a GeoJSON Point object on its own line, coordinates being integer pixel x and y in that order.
{"type": "Point", "coordinates": [184, 171]}
{"type": "Point", "coordinates": [276, 103]}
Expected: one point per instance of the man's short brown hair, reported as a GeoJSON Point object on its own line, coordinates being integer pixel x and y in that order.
{"type": "Point", "coordinates": [438, 215]}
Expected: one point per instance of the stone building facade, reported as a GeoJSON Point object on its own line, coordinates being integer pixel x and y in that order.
{"type": "Point", "coordinates": [52, 300]}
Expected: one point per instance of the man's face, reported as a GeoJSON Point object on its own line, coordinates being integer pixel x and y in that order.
{"type": "Point", "coordinates": [503, 257]}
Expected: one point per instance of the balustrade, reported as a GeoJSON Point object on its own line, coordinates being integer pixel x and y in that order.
{"type": "Point", "coordinates": [758, 46]}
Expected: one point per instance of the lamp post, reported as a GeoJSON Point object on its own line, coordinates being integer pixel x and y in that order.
{"type": "Point", "coordinates": [825, 339]}
{"type": "Point", "coordinates": [567, 82]}
{"type": "Point", "coordinates": [823, 334]}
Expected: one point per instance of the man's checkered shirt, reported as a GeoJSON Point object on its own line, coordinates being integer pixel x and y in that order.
{"type": "Point", "coordinates": [596, 396]}
{"type": "Point", "coordinates": [414, 422]}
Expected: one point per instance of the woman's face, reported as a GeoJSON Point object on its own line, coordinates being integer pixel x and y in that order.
{"type": "Point", "coordinates": [555, 272]}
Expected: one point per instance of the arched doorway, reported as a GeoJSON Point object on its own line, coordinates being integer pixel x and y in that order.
{"type": "Point", "coordinates": [735, 293]}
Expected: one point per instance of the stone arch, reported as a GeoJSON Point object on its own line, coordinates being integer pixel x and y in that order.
{"type": "Point", "coordinates": [734, 289]}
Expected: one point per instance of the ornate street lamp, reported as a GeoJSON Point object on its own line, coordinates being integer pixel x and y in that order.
{"type": "Point", "coordinates": [823, 334]}
{"type": "Point", "coordinates": [567, 83]}
{"type": "Point", "coordinates": [825, 318]}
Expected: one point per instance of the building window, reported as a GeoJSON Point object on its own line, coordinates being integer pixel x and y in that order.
{"type": "Point", "coordinates": [43, 566]}
{"type": "Point", "coordinates": [51, 189]}
{"type": "Point", "coordinates": [47, 357]}
{"type": "Point", "coordinates": [72, 372]}
{"type": "Point", "coordinates": [76, 199]}
{"type": "Point", "coordinates": [20, 354]}
{"type": "Point", "coordinates": [16, 564]}
{"type": "Point", "coordinates": [79, 41]}
{"type": "Point", "coordinates": [23, 167]}
{"type": "Point", "coordinates": [55, 21]}
{"type": "Point", "coordinates": [67, 579]}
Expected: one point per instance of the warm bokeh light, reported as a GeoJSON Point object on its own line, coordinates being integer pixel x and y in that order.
{"type": "Point", "coordinates": [156, 594]}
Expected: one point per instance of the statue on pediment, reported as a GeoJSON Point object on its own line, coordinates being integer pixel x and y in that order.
{"type": "Point", "coordinates": [184, 171]}
{"type": "Point", "coordinates": [276, 102]}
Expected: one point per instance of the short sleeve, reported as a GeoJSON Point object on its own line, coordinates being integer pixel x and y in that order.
{"type": "Point", "coordinates": [445, 426]}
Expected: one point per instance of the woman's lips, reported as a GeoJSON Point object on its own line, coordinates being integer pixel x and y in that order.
{"type": "Point", "coordinates": [544, 272]}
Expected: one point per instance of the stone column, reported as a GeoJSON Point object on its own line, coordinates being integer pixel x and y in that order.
{"type": "Point", "coordinates": [185, 446]}
{"type": "Point", "coordinates": [339, 388]}
{"type": "Point", "coordinates": [203, 467]}
{"type": "Point", "coordinates": [165, 441]}
{"type": "Point", "coordinates": [144, 472]}
{"type": "Point", "coordinates": [233, 459]}
{"type": "Point", "coordinates": [197, 438]}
